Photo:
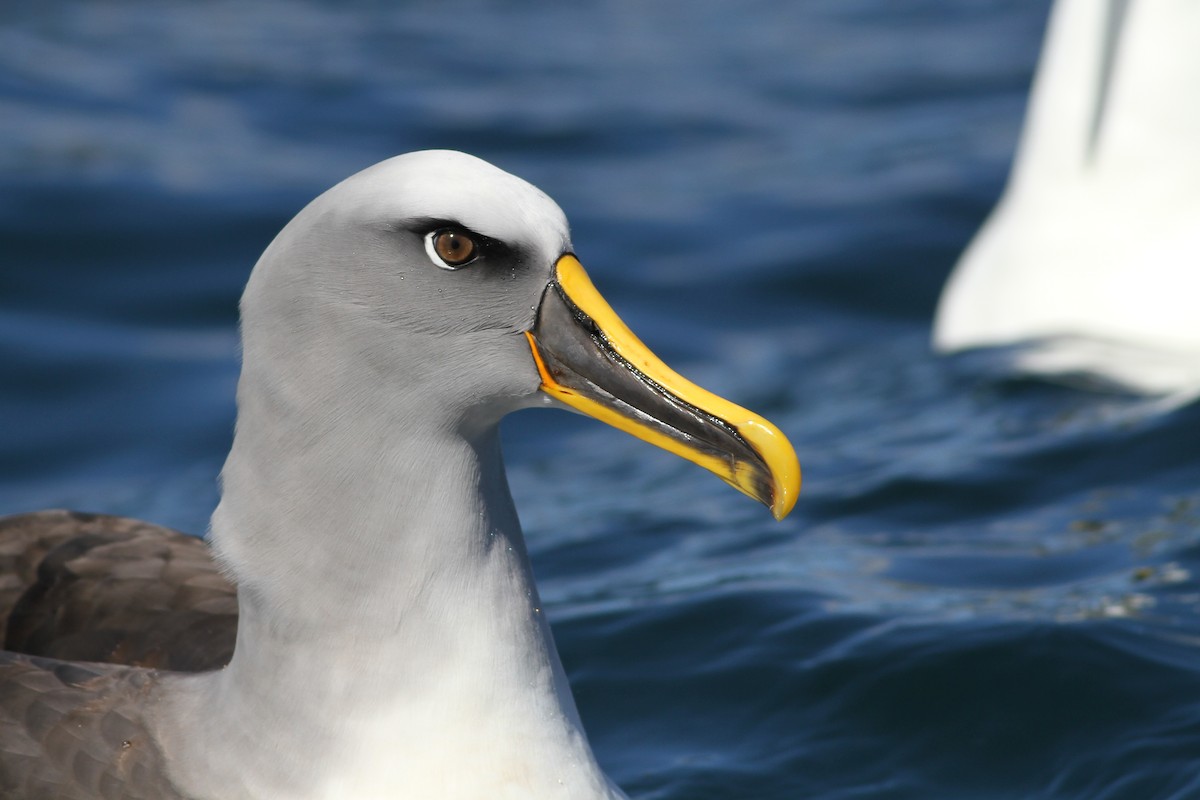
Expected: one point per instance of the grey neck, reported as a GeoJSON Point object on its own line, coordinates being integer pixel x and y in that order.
{"type": "Point", "coordinates": [391, 641]}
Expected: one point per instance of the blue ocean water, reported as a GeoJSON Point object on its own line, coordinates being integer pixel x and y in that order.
{"type": "Point", "coordinates": [986, 589]}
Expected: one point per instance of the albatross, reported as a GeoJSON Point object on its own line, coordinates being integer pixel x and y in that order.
{"type": "Point", "coordinates": [390, 642]}
{"type": "Point", "coordinates": [1090, 263]}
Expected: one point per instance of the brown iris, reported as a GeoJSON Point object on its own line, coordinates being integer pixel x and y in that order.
{"type": "Point", "coordinates": [454, 247]}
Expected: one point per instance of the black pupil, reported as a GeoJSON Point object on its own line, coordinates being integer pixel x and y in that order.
{"type": "Point", "coordinates": [453, 247]}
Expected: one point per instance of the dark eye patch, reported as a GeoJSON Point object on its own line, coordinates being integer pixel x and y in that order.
{"type": "Point", "coordinates": [488, 248]}
{"type": "Point", "coordinates": [492, 257]}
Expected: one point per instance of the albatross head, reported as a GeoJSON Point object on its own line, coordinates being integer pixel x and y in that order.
{"type": "Point", "coordinates": [436, 276]}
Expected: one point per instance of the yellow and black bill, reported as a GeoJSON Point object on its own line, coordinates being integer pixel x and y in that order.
{"type": "Point", "coordinates": [590, 360]}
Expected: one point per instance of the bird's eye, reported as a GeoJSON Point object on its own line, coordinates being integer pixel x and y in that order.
{"type": "Point", "coordinates": [451, 248]}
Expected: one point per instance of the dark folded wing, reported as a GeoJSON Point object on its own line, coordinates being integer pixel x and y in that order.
{"type": "Point", "coordinates": [77, 732]}
{"type": "Point", "coordinates": [90, 587]}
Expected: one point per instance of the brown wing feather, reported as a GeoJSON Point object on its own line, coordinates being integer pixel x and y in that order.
{"type": "Point", "coordinates": [24, 541]}
{"type": "Point", "coordinates": [77, 732]}
{"type": "Point", "coordinates": [90, 587]}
